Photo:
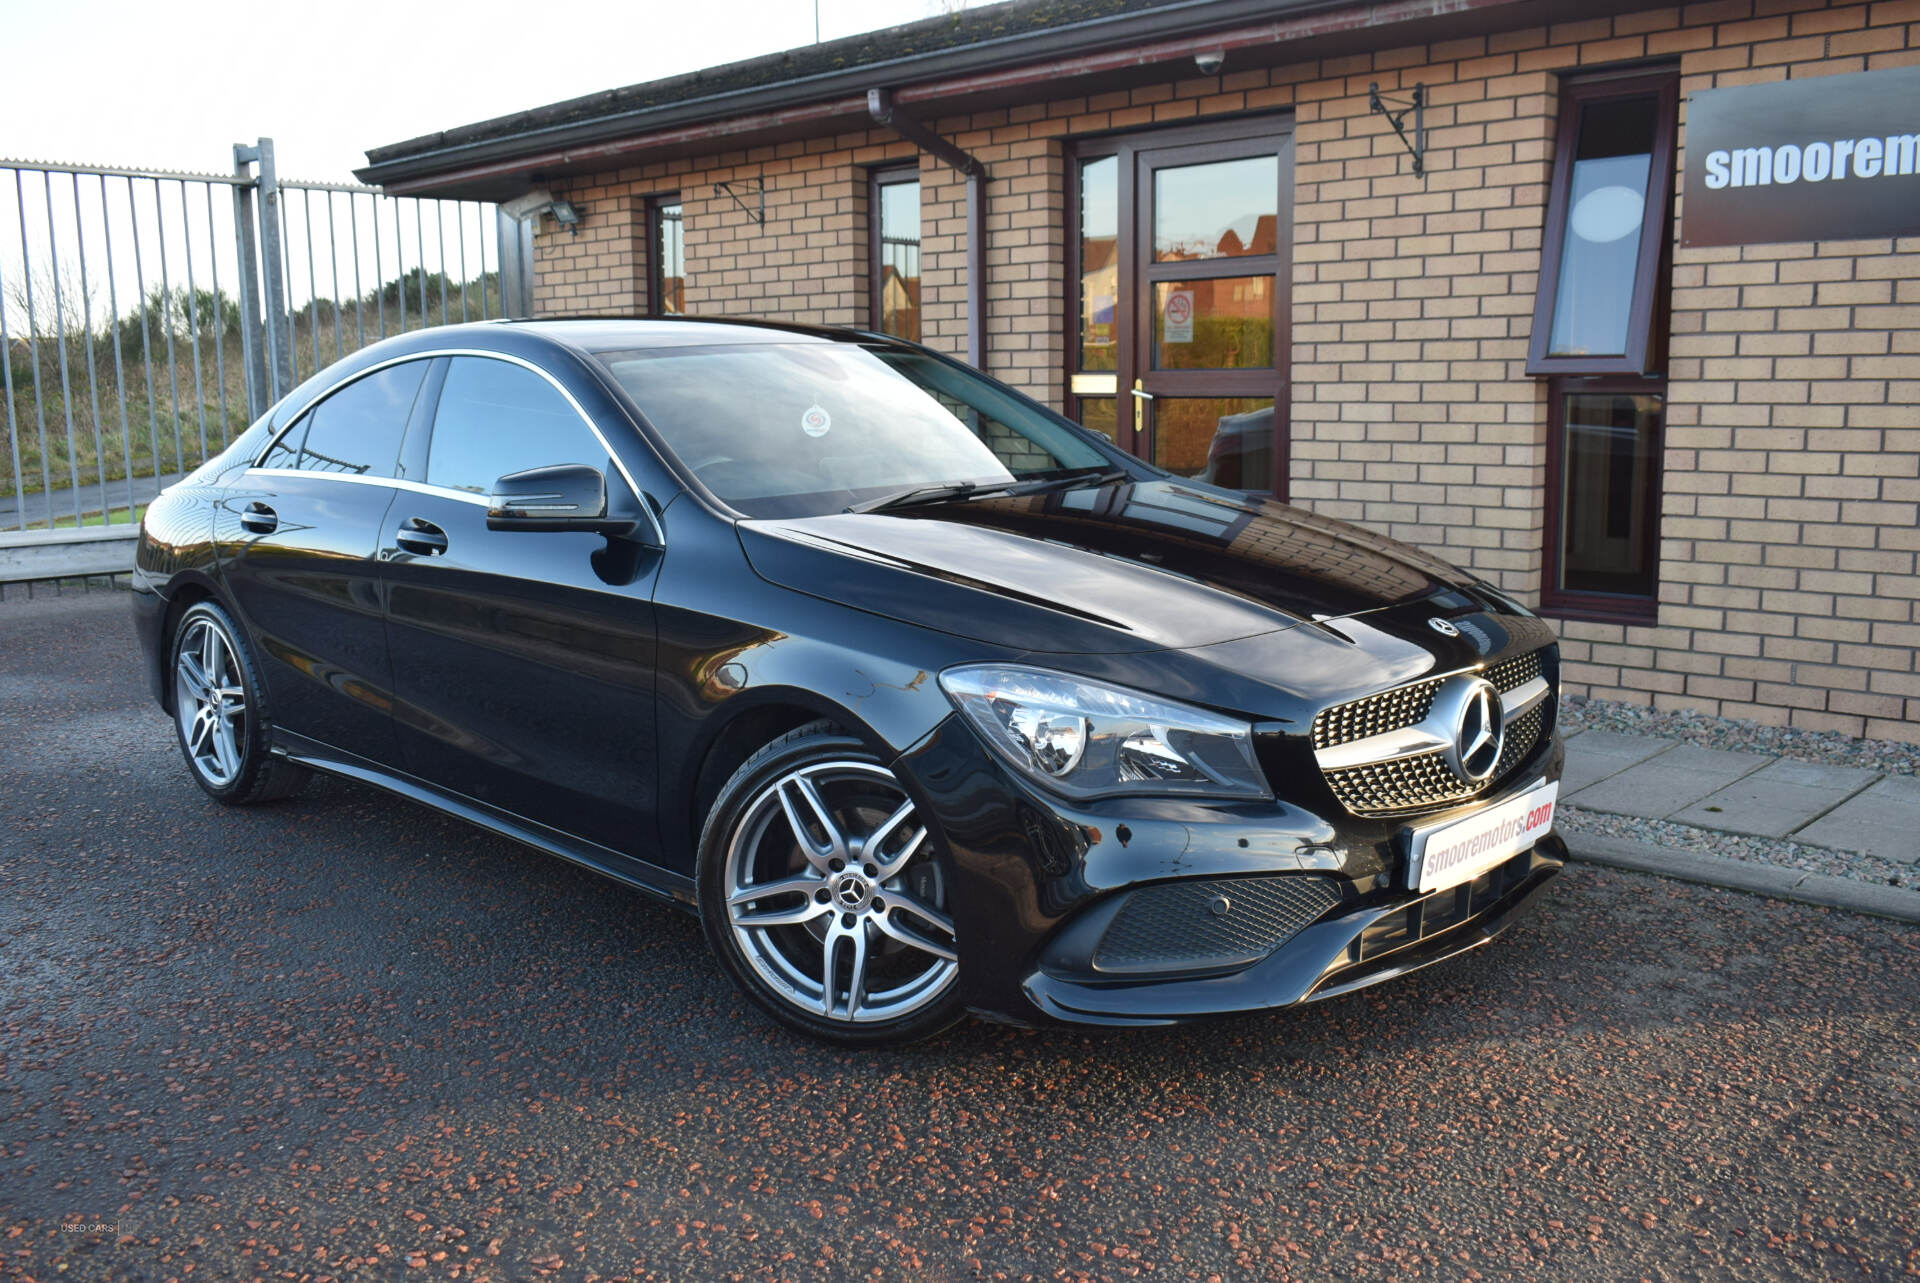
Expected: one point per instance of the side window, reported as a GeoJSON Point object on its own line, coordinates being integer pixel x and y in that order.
{"type": "Point", "coordinates": [495, 418]}
{"type": "Point", "coordinates": [357, 430]}
{"type": "Point", "coordinates": [894, 208]}
{"type": "Point", "coordinates": [667, 287]}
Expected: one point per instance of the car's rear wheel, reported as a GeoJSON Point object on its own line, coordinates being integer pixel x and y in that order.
{"type": "Point", "coordinates": [220, 712]}
{"type": "Point", "coordinates": [821, 894]}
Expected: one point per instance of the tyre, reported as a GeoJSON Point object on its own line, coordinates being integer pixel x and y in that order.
{"type": "Point", "coordinates": [820, 892]}
{"type": "Point", "coordinates": [220, 712]}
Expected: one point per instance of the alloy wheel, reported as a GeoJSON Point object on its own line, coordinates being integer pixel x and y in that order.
{"type": "Point", "coordinates": [834, 897]}
{"type": "Point", "coordinates": [210, 699]}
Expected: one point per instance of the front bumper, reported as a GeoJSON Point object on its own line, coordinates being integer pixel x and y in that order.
{"type": "Point", "coordinates": [1038, 885]}
{"type": "Point", "coordinates": [1337, 954]}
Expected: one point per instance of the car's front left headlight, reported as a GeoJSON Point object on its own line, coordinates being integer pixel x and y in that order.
{"type": "Point", "coordinates": [1087, 739]}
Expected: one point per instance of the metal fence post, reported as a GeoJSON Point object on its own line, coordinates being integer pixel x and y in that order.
{"type": "Point", "coordinates": [279, 323]}
{"type": "Point", "coordinates": [61, 465]}
{"type": "Point", "coordinates": [253, 357]}
{"type": "Point", "coordinates": [516, 264]}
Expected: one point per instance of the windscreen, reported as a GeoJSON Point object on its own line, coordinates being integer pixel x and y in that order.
{"type": "Point", "coordinates": [801, 429]}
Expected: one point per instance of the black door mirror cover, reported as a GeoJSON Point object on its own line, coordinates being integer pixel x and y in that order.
{"type": "Point", "coordinates": [564, 496]}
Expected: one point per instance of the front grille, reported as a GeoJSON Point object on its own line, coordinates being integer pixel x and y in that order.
{"type": "Point", "coordinates": [1424, 782]}
{"type": "Point", "coordinates": [1211, 923]}
{"type": "Point", "coordinates": [1407, 784]}
{"type": "Point", "coordinates": [1511, 674]}
{"type": "Point", "coordinates": [1521, 738]}
{"type": "Point", "coordinates": [1374, 715]}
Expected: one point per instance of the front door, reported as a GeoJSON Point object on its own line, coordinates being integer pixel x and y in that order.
{"type": "Point", "coordinates": [1182, 250]}
{"type": "Point", "coordinates": [522, 660]}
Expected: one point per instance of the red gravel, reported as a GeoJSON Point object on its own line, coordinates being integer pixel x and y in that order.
{"type": "Point", "coordinates": [346, 1038]}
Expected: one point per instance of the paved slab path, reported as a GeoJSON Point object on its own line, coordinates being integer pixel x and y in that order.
{"type": "Point", "coordinates": [1841, 808]}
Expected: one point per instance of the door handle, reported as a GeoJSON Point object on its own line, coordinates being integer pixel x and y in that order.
{"type": "Point", "coordinates": [417, 535]}
{"type": "Point", "coordinates": [1140, 397]}
{"type": "Point", "coordinates": [259, 519]}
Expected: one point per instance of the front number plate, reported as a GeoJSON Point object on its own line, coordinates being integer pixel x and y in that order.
{"type": "Point", "coordinates": [1458, 852]}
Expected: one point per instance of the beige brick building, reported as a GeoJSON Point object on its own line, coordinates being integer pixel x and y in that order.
{"type": "Point", "coordinates": [1721, 518]}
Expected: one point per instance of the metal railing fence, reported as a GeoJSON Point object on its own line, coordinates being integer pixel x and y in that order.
{"type": "Point", "coordinates": [150, 315]}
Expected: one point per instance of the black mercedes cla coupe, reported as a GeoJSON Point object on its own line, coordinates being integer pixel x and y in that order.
{"type": "Point", "coordinates": [924, 698]}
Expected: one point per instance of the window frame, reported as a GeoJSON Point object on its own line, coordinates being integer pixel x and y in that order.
{"type": "Point", "coordinates": [1588, 606]}
{"type": "Point", "coordinates": [302, 422]}
{"type": "Point", "coordinates": [878, 177]}
{"type": "Point", "coordinates": [430, 423]}
{"type": "Point", "coordinates": [656, 279]}
{"type": "Point", "coordinates": [1643, 349]}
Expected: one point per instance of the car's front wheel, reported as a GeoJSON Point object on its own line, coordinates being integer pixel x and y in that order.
{"type": "Point", "coordinates": [220, 712]}
{"type": "Point", "coordinates": [820, 892]}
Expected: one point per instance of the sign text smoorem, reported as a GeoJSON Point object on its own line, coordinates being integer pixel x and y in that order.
{"type": "Point", "coordinates": [1831, 158]}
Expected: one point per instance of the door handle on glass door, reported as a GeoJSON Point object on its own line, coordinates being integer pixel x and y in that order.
{"type": "Point", "coordinates": [259, 519]}
{"type": "Point", "coordinates": [420, 536]}
{"type": "Point", "coordinates": [1140, 397]}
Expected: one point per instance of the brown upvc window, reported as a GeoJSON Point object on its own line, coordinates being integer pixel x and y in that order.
{"type": "Point", "coordinates": [1599, 332]}
{"type": "Point", "coordinates": [1609, 221]}
{"type": "Point", "coordinates": [666, 257]}
{"type": "Point", "coordinates": [893, 207]}
{"type": "Point", "coordinates": [1604, 438]}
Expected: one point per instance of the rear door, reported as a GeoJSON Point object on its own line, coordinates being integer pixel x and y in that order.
{"type": "Point", "coordinates": [523, 661]}
{"type": "Point", "coordinates": [298, 539]}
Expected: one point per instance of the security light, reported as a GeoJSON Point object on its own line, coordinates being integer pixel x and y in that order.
{"type": "Point", "coordinates": [541, 201]}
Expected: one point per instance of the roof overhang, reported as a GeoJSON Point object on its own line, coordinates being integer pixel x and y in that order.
{"type": "Point", "coordinates": [500, 160]}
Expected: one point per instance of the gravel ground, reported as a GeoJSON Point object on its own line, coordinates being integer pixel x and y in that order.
{"type": "Point", "coordinates": [1580, 714]}
{"type": "Point", "coordinates": [346, 1038]}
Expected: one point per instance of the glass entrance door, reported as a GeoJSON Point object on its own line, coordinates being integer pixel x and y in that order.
{"type": "Point", "coordinates": [1182, 339]}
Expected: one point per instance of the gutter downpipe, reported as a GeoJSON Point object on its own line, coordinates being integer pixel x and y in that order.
{"type": "Point", "coordinates": [880, 106]}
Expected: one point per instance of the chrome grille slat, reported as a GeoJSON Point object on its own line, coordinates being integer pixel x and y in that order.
{"type": "Point", "coordinates": [1374, 715]}
{"type": "Point", "coordinates": [1422, 782]}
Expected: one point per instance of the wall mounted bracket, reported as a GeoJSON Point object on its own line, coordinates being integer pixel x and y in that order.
{"type": "Point", "coordinates": [758, 213]}
{"type": "Point", "coordinates": [1396, 111]}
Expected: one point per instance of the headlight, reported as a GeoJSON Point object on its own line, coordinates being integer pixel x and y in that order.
{"type": "Point", "coordinates": [1087, 739]}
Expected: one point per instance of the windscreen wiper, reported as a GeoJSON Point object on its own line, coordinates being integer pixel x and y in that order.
{"type": "Point", "coordinates": [1073, 481]}
{"type": "Point", "coordinates": [916, 495]}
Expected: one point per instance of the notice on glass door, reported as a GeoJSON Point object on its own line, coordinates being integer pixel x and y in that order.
{"type": "Point", "coordinates": [1179, 321]}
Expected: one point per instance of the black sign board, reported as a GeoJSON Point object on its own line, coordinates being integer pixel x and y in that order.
{"type": "Point", "coordinates": [1830, 158]}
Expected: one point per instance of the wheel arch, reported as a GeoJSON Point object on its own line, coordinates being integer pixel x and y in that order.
{"type": "Point", "coordinates": [187, 591]}
{"type": "Point", "coordinates": [737, 733]}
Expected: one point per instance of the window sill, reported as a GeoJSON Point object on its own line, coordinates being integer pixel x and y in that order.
{"type": "Point", "coordinates": [1598, 608]}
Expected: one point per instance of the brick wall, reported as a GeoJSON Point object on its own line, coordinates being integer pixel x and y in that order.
{"type": "Point", "coordinates": [1792, 465]}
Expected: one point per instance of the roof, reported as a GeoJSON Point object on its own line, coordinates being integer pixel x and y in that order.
{"type": "Point", "coordinates": [989, 37]}
{"type": "Point", "coordinates": [967, 27]}
{"type": "Point", "coordinates": [991, 56]}
{"type": "Point", "coordinates": [613, 334]}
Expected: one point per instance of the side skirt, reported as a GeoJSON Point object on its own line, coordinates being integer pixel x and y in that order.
{"type": "Point", "coordinates": [676, 888]}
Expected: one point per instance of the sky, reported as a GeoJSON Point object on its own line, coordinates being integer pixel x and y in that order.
{"type": "Point", "coordinates": [108, 82]}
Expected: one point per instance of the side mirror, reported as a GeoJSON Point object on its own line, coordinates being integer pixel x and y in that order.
{"type": "Point", "coordinates": [566, 496]}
